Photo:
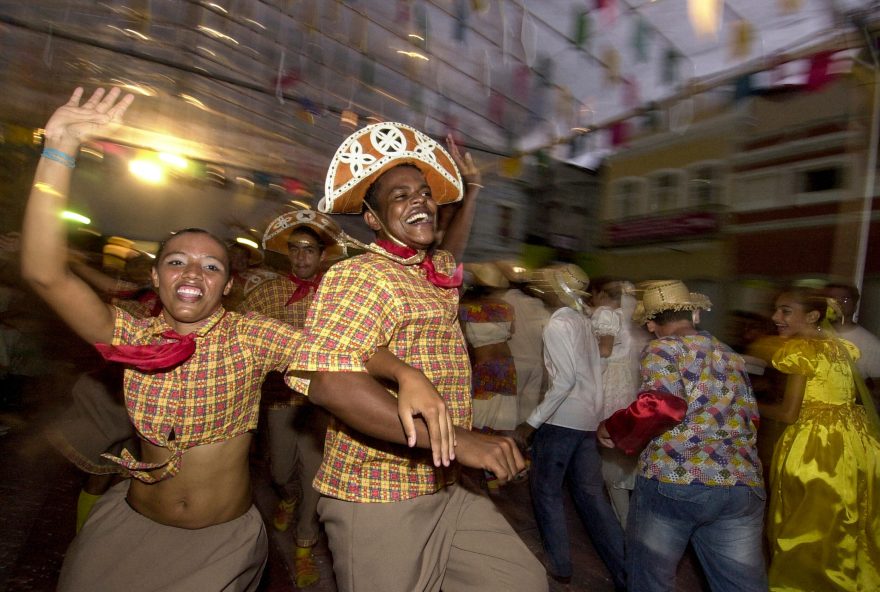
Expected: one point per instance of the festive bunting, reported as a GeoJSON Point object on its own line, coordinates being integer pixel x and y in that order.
{"type": "Point", "coordinates": [611, 61]}
{"type": "Point", "coordinates": [368, 70]}
{"type": "Point", "coordinates": [511, 168]}
{"type": "Point", "coordinates": [581, 32]}
{"type": "Point", "coordinates": [358, 32]}
{"type": "Point", "coordinates": [789, 6]}
{"type": "Point", "coordinates": [641, 38]}
{"type": "Point", "coordinates": [820, 74]}
{"type": "Point", "coordinates": [670, 66]}
{"type": "Point", "coordinates": [462, 12]}
{"type": "Point", "coordinates": [420, 26]}
{"type": "Point", "coordinates": [521, 82]}
{"type": "Point", "coordinates": [496, 107]}
{"type": "Point", "coordinates": [402, 14]}
{"type": "Point", "coordinates": [631, 96]}
{"type": "Point", "coordinates": [619, 133]}
{"type": "Point", "coordinates": [529, 37]}
{"type": "Point", "coordinates": [607, 11]}
{"type": "Point", "coordinates": [741, 39]}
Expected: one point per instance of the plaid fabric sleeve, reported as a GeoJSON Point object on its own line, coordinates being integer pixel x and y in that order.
{"type": "Point", "coordinates": [351, 316]}
{"type": "Point", "coordinates": [124, 329]}
{"type": "Point", "coordinates": [273, 343]}
{"type": "Point", "coordinates": [660, 371]}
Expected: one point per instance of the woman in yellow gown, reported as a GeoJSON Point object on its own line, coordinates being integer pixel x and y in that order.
{"type": "Point", "coordinates": [824, 517]}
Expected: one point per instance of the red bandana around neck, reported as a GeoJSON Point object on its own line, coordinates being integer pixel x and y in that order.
{"type": "Point", "coordinates": [438, 279]}
{"type": "Point", "coordinates": [157, 356]}
{"type": "Point", "coordinates": [303, 287]}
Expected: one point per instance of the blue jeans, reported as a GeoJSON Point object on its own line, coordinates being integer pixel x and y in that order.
{"type": "Point", "coordinates": [724, 524]}
{"type": "Point", "coordinates": [558, 453]}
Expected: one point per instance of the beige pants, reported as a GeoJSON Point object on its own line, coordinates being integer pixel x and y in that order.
{"type": "Point", "coordinates": [119, 549]}
{"type": "Point", "coordinates": [454, 539]}
{"type": "Point", "coordinates": [296, 446]}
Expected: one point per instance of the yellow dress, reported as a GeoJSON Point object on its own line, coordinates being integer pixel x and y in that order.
{"type": "Point", "coordinates": [823, 526]}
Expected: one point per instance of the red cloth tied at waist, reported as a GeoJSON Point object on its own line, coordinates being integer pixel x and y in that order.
{"type": "Point", "coordinates": [438, 279]}
{"type": "Point", "coordinates": [157, 356]}
{"type": "Point", "coordinates": [651, 414]}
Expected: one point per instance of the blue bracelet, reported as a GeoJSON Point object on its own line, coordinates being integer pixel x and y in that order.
{"type": "Point", "coordinates": [59, 156]}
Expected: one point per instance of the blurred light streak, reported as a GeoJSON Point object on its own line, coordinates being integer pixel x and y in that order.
{"type": "Point", "coordinates": [247, 241]}
{"type": "Point", "coordinates": [414, 54]}
{"type": "Point", "coordinates": [174, 160]}
{"type": "Point", "coordinates": [216, 34]}
{"type": "Point", "coordinates": [73, 216]}
{"type": "Point", "coordinates": [147, 170]}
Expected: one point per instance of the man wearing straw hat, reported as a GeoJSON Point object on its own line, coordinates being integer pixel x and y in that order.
{"type": "Point", "coordinates": [395, 517]}
{"type": "Point", "coordinates": [695, 423]}
{"type": "Point", "coordinates": [563, 430]}
{"type": "Point", "coordinates": [295, 427]}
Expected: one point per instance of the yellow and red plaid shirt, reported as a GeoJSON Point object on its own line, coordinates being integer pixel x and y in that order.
{"type": "Point", "coordinates": [211, 397]}
{"type": "Point", "coordinates": [270, 299]}
{"type": "Point", "coordinates": [368, 302]}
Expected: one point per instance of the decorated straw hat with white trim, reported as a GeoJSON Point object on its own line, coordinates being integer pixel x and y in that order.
{"type": "Point", "coordinates": [376, 148]}
{"type": "Point", "coordinates": [279, 230]}
{"type": "Point", "coordinates": [655, 296]}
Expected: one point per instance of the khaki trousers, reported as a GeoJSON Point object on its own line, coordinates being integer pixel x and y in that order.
{"type": "Point", "coordinates": [454, 540]}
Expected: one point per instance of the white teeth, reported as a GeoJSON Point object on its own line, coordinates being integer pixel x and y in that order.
{"type": "Point", "coordinates": [421, 217]}
{"type": "Point", "coordinates": [189, 291]}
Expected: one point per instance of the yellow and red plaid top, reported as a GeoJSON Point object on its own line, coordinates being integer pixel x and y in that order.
{"type": "Point", "coordinates": [364, 303]}
{"type": "Point", "coordinates": [211, 397]}
{"type": "Point", "coordinates": [270, 299]}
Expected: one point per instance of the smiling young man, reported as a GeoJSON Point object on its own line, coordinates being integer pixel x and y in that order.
{"type": "Point", "coordinates": [295, 427]}
{"type": "Point", "coordinates": [396, 520]}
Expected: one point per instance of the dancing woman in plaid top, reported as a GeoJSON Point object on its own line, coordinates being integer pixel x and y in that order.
{"type": "Point", "coordinates": [185, 520]}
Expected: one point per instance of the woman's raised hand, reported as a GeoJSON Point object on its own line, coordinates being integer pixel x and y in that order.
{"type": "Point", "coordinates": [72, 123]}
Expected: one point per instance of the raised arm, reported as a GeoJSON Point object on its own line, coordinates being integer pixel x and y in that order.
{"type": "Point", "coordinates": [456, 219]}
{"type": "Point", "coordinates": [44, 241]}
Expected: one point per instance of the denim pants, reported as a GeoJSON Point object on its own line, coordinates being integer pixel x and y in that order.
{"type": "Point", "coordinates": [560, 454]}
{"type": "Point", "coordinates": [724, 524]}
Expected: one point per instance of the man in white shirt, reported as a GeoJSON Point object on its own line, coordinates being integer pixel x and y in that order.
{"type": "Point", "coordinates": [563, 431]}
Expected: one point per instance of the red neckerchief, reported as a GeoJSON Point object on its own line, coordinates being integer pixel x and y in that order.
{"type": "Point", "coordinates": [157, 356]}
{"type": "Point", "coordinates": [438, 279]}
{"type": "Point", "coordinates": [303, 287]}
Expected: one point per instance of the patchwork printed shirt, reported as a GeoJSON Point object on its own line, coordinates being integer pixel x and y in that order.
{"type": "Point", "coordinates": [270, 299]}
{"type": "Point", "coordinates": [211, 397]}
{"type": "Point", "coordinates": [715, 443]}
{"type": "Point", "coordinates": [365, 303]}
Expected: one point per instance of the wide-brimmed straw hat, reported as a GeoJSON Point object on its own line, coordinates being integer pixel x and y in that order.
{"type": "Point", "coordinates": [485, 274]}
{"type": "Point", "coordinates": [515, 271]}
{"type": "Point", "coordinates": [566, 280]}
{"type": "Point", "coordinates": [279, 230]}
{"type": "Point", "coordinates": [372, 150]}
{"type": "Point", "coordinates": [655, 296]}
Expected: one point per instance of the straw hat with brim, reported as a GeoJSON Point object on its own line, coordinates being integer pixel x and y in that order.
{"type": "Point", "coordinates": [279, 230]}
{"type": "Point", "coordinates": [568, 281]}
{"type": "Point", "coordinates": [486, 274]}
{"type": "Point", "coordinates": [657, 296]}
{"type": "Point", "coordinates": [371, 151]}
{"type": "Point", "coordinates": [514, 271]}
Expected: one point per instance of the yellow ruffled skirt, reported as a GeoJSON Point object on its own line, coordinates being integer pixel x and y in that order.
{"type": "Point", "coordinates": [823, 522]}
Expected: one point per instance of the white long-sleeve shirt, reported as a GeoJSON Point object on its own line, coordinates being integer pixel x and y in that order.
{"type": "Point", "coordinates": [571, 354]}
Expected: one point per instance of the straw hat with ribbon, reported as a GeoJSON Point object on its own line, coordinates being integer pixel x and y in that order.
{"type": "Point", "coordinates": [566, 280]}
{"type": "Point", "coordinates": [485, 274]}
{"type": "Point", "coordinates": [655, 296]}
{"type": "Point", "coordinates": [279, 230]}
{"type": "Point", "coordinates": [372, 150]}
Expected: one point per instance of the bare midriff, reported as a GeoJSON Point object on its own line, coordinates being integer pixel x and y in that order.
{"type": "Point", "coordinates": [212, 487]}
{"type": "Point", "coordinates": [494, 351]}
